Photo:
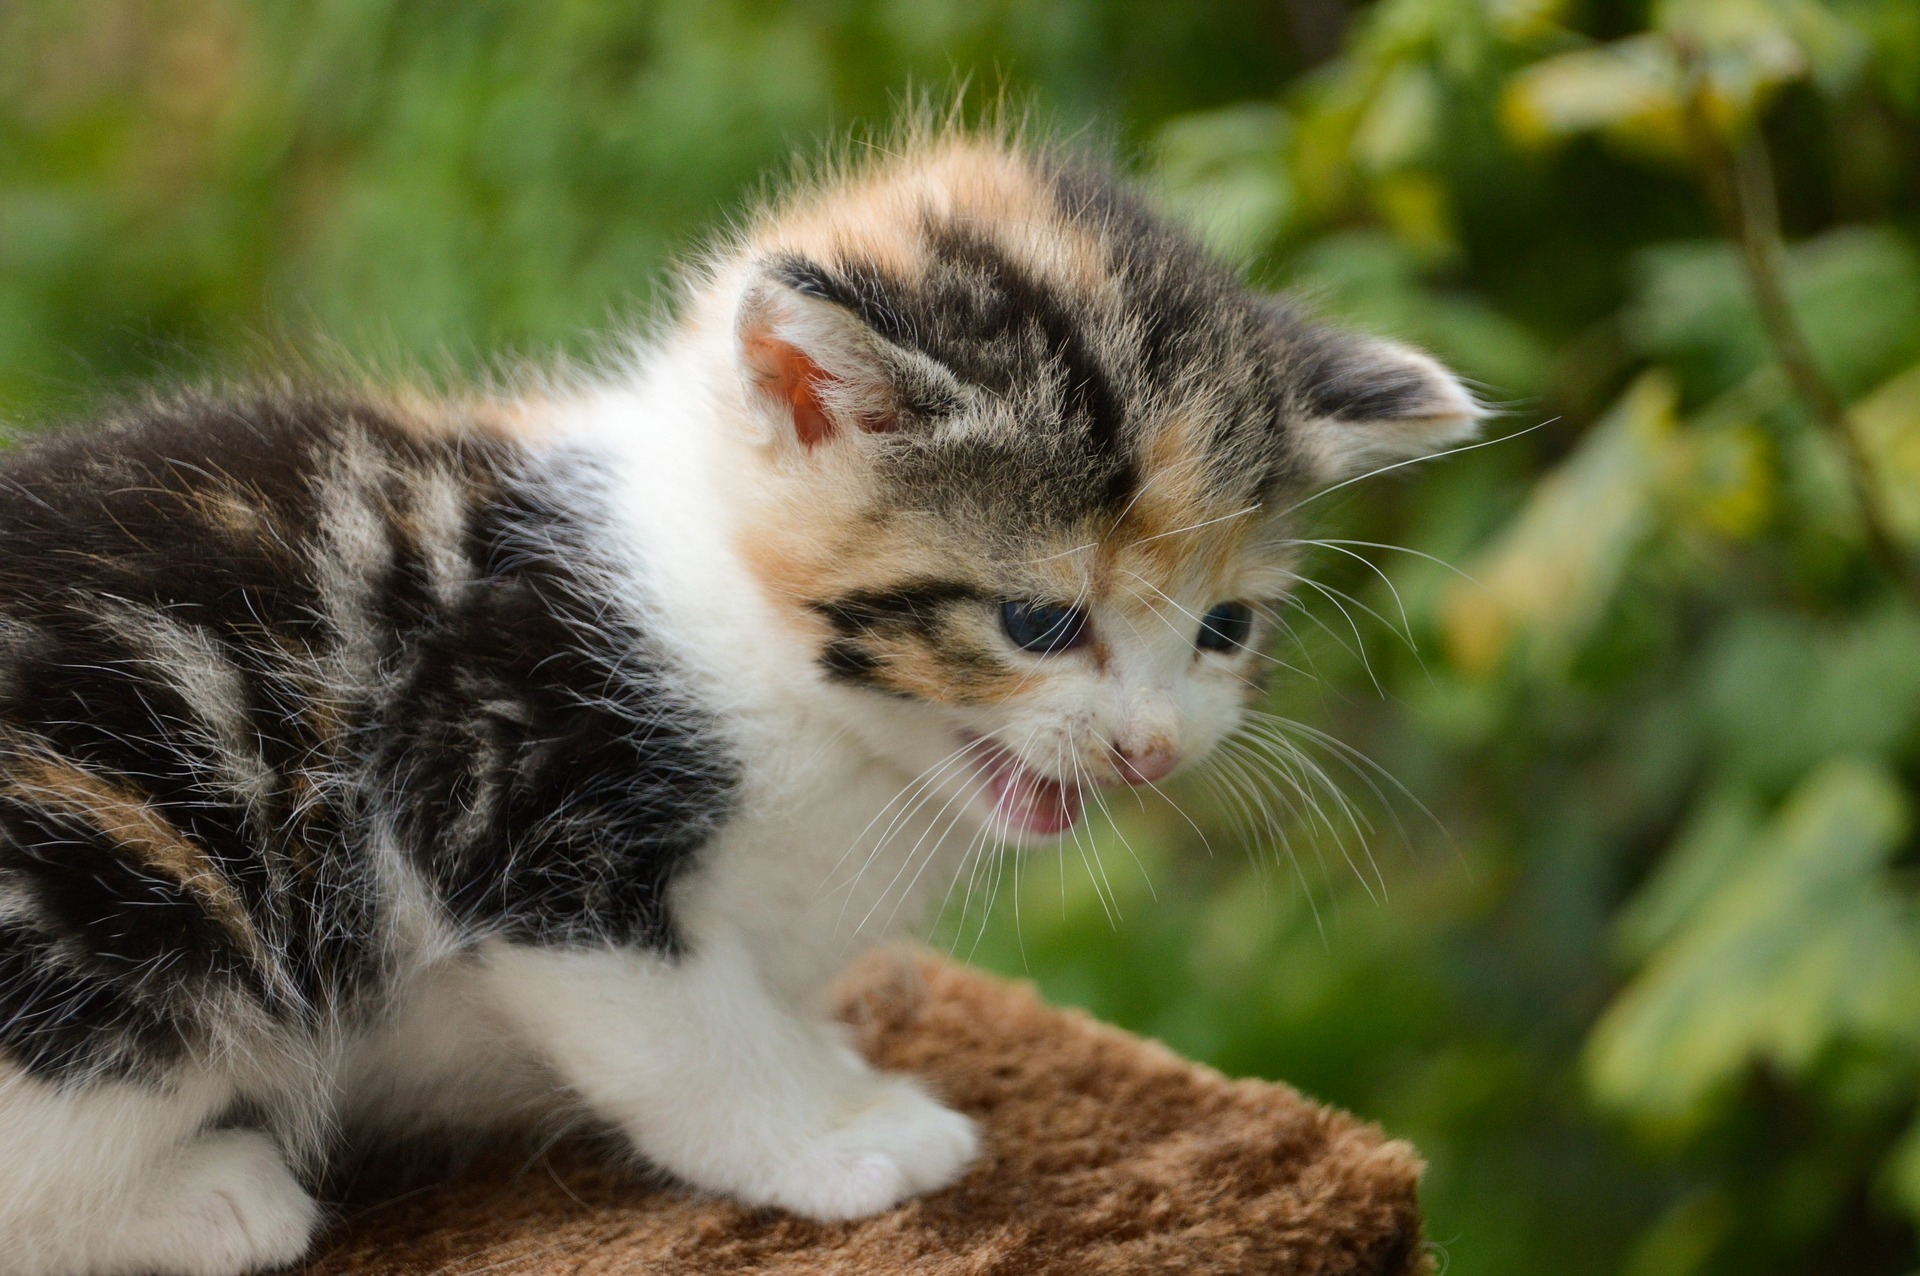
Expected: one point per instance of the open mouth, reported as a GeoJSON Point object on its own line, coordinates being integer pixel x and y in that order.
{"type": "Point", "coordinates": [1027, 801]}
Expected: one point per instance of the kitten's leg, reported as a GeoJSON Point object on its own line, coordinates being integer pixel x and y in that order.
{"type": "Point", "coordinates": [445, 1058]}
{"type": "Point", "coordinates": [123, 1179]}
{"type": "Point", "coordinates": [719, 1083]}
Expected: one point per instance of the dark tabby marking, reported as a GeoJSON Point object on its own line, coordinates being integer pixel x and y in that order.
{"type": "Point", "coordinates": [920, 610]}
{"type": "Point", "coordinates": [1092, 370]}
{"type": "Point", "coordinates": [247, 651]}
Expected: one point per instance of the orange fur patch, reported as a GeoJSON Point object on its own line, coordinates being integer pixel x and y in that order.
{"type": "Point", "coordinates": [876, 213]}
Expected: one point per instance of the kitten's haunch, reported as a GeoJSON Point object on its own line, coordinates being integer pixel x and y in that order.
{"type": "Point", "coordinates": [369, 768]}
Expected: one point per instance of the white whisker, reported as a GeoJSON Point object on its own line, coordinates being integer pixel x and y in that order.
{"type": "Point", "coordinates": [1194, 527]}
{"type": "Point", "coordinates": [1414, 460]}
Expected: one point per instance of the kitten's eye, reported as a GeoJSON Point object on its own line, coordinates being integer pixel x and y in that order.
{"type": "Point", "coordinates": [1226, 627]}
{"type": "Point", "coordinates": [1043, 627]}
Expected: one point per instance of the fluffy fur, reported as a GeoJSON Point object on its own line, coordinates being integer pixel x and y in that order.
{"type": "Point", "coordinates": [367, 768]}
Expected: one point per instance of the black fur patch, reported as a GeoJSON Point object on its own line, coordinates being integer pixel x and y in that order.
{"type": "Point", "coordinates": [259, 625]}
{"type": "Point", "coordinates": [916, 605]}
{"type": "Point", "coordinates": [532, 703]}
{"type": "Point", "coordinates": [919, 608]}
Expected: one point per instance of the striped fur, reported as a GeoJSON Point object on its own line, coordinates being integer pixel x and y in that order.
{"type": "Point", "coordinates": [248, 646]}
{"type": "Point", "coordinates": [1038, 365]}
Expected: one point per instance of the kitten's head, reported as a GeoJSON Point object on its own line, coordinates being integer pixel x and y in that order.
{"type": "Point", "coordinates": [1027, 457]}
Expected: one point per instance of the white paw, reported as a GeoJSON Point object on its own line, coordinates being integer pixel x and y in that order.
{"type": "Point", "coordinates": [226, 1204]}
{"type": "Point", "coordinates": [899, 1144]}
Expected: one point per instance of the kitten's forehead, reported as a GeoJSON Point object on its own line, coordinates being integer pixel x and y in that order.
{"type": "Point", "coordinates": [1100, 354]}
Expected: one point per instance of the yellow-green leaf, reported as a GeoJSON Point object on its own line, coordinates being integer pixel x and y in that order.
{"type": "Point", "coordinates": [1629, 89]}
{"type": "Point", "coordinates": [1521, 20]}
{"type": "Point", "coordinates": [1554, 569]}
{"type": "Point", "coordinates": [1751, 47]}
{"type": "Point", "coordinates": [1889, 424]}
{"type": "Point", "coordinates": [1400, 123]}
{"type": "Point", "coordinates": [1414, 204]}
{"type": "Point", "coordinates": [1226, 173]}
{"type": "Point", "coordinates": [1686, 1237]}
{"type": "Point", "coordinates": [1900, 1173]}
{"type": "Point", "coordinates": [1724, 479]}
{"type": "Point", "coordinates": [1707, 854]}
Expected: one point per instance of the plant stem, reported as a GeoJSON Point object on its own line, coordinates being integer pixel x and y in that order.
{"type": "Point", "coordinates": [1740, 181]}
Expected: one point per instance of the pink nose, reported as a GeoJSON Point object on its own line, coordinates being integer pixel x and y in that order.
{"type": "Point", "coordinates": [1156, 761]}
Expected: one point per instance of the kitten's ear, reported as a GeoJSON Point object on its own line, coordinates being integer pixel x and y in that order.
{"type": "Point", "coordinates": [813, 365]}
{"type": "Point", "coordinates": [1369, 402]}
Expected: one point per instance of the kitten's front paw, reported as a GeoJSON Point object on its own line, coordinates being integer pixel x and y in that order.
{"type": "Point", "coordinates": [900, 1144]}
{"type": "Point", "coordinates": [227, 1205]}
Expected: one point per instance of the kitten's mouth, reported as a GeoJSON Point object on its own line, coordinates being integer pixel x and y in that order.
{"type": "Point", "coordinates": [1025, 800]}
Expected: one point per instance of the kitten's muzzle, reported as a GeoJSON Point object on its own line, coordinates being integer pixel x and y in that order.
{"type": "Point", "coordinates": [1155, 760]}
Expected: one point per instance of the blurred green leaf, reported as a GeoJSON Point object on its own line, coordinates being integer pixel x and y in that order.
{"type": "Point", "coordinates": [1399, 125]}
{"type": "Point", "coordinates": [1523, 20]}
{"type": "Point", "coordinates": [1889, 424]}
{"type": "Point", "coordinates": [1723, 479]}
{"type": "Point", "coordinates": [1781, 693]}
{"type": "Point", "coordinates": [1900, 1177]}
{"type": "Point", "coordinates": [1803, 945]}
{"type": "Point", "coordinates": [1225, 173]}
{"type": "Point", "coordinates": [1751, 47]}
{"type": "Point", "coordinates": [1554, 570]}
{"type": "Point", "coordinates": [1686, 1238]}
{"type": "Point", "coordinates": [1856, 292]}
{"type": "Point", "coordinates": [1377, 282]}
{"type": "Point", "coordinates": [1629, 90]}
{"type": "Point", "coordinates": [1708, 853]}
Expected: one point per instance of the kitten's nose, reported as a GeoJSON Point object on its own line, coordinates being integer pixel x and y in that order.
{"type": "Point", "coordinates": [1155, 760]}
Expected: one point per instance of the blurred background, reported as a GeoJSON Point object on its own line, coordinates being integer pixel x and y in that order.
{"type": "Point", "coordinates": [1617, 917]}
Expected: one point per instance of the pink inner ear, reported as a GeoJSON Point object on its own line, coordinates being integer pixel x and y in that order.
{"type": "Point", "coordinates": [790, 375]}
{"type": "Point", "coordinates": [785, 372]}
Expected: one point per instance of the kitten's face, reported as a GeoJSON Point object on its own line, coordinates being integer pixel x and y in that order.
{"type": "Point", "coordinates": [1029, 457]}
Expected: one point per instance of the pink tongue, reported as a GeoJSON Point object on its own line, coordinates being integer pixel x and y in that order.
{"type": "Point", "coordinates": [1034, 802]}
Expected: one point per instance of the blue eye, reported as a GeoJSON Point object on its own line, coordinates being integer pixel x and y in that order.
{"type": "Point", "coordinates": [1226, 627]}
{"type": "Point", "coordinates": [1043, 627]}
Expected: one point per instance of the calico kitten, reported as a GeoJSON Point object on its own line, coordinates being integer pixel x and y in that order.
{"type": "Point", "coordinates": [373, 767]}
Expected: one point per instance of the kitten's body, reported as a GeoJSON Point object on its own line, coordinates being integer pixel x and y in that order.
{"type": "Point", "coordinates": [377, 769]}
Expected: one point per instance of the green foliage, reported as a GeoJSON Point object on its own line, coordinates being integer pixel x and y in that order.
{"type": "Point", "coordinates": [1628, 943]}
{"type": "Point", "coordinates": [1767, 943]}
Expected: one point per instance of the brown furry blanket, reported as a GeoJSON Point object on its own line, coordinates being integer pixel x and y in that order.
{"type": "Point", "coordinates": [1105, 1154]}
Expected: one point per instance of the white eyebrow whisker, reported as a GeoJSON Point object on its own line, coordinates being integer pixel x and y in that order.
{"type": "Point", "coordinates": [1031, 562]}
{"type": "Point", "coordinates": [1254, 508]}
{"type": "Point", "coordinates": [1415, 460]}
{"type": "Point", "coordinates": [1398, 549]}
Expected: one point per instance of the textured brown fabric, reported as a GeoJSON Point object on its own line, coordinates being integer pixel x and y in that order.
{"type": "Point", "coordinates": [1105, 1154]}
